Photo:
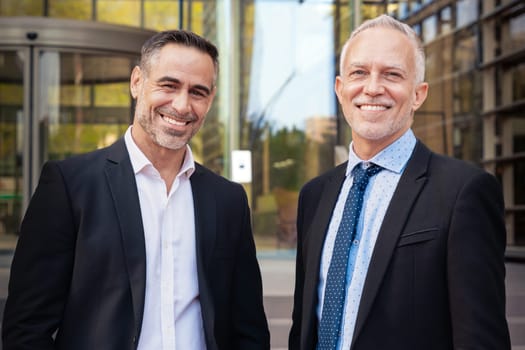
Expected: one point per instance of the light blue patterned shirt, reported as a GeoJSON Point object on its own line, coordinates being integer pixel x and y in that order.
{"type": "Point", "coordinates": [375, 203]}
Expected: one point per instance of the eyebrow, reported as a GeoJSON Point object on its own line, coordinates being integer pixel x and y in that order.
{"type": "Point", "coordinates": [362, 65]}
{"type": "Point", "coordinates": [200, 87]}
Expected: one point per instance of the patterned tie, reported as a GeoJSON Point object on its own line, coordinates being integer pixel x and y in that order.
{"type": "Point", "coordinates": [335, 289]}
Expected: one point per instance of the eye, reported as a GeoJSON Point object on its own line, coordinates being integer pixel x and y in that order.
{"type": "Point", "coordinates": [198, 93]}
{"type": "Point", "coordinates": [357, 72]}
{"type": "Point", "coordinates": [394, 75]}
{"type": "Point", "coordinates": [168, 86]}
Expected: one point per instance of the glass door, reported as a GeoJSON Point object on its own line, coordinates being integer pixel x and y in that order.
{"type": "Point", "coordinates": [83, 102]}
{"type": "Point", "coordinates": [64, 90]}
{"type": "Point", "coordinates": [13, 65]}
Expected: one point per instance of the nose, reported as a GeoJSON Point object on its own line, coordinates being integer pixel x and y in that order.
{"type": "Point", "coordinates": [180, 102]}
{"type": "Point", "coordinates": [373, 85]}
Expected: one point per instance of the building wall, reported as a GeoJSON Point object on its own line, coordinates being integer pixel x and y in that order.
{"type": "Point", "coordinates": [276, 99]}
{"type": "Point", "coordinates": [475, 67]}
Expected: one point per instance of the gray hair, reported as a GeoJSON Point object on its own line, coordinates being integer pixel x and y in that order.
{"type": "Point", "coordinates": [182, 37]}
{"type": "Point", "coordinates": [386, 21]}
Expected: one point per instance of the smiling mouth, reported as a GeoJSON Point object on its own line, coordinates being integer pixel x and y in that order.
{"type": "Point", "coordinates": [174, 121]}
{"type": "Point", "coordinates": [367, 107]}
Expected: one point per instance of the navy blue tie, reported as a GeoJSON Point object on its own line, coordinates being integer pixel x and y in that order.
{"type": "Point", "coordinates": [335, 289]}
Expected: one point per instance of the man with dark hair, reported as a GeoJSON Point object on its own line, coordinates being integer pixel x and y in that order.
{"type": "Point", "coordinates": [398, 248]}
{"type": "Point", "coordinates": [137, 246]}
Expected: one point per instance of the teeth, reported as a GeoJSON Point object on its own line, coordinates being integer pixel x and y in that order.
{"type": "Point", "coordinates": [372, 108]}
{"type": "Point", "coordinates": [173, 121]}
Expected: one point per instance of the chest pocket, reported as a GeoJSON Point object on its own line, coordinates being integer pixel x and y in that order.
{"type": "Point", "coordinates": [418, 236]}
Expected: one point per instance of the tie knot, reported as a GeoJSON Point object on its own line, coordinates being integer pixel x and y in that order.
{"type": "Point", "coordinates": [362, 175]}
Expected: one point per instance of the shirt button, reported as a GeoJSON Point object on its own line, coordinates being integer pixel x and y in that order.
{"type": "Point", "coordinates": [355, 242]}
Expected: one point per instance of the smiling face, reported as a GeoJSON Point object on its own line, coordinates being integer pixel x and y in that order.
{"type": "Point", "coordinates": [172, 96]}
{"type": "Point", "coordinates": [377, 88]}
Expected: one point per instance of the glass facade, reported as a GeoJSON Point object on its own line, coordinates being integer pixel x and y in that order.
{"type": "Point", "coordinates": [275, 97]}
{"type": "Point", "coordinates": [475, 54]}
{"type": "Point", "coordinates": [11, 137]}
{"type": "Point", "coordinates": [64, 90]}
{"type": "Point", "coordinates": [83, 102]}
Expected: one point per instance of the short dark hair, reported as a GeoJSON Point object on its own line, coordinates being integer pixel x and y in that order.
{"type": "Point", "coordinates": [180, 37]}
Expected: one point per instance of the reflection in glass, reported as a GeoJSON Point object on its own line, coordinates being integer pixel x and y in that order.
{"type": "Point", "coordinates": [11, 140]}
{"type": "Point", "coordinates": [467, 124]}
{"type": "Point", "coordinates": [518, 82]}
{"type": "Point", "coordinates": [126, 12]}
{"type": "Point", "coordinates": [415, 5]}
{"type": "Point", "coordinates": [466, 12]}
{"type": "Point", "coordinates": [290, 116]}
{"type": "Point", "coordinates": [446, 20]}
{"type": "Point", "coordinates": [465, 53]}
{"type": "Point", "coordinates": [161, 14]}
{"type": "Point", "coordinates": [516, 33]}
{"type": "Point", "coordinates": [78, 9]}
{"type": "Point", "coordinates": [429, 28]}
{"type": "Point", "coordinates": [21, 8]}
{"type": "Point", "coordinates": [402, 11]}
{"type": "Point", "coordinates": [84, 102]}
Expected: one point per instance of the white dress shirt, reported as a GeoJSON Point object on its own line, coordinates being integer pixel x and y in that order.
{"type": "Point", "coordinates": [376, 199]}
{"type": "Point", "coordinates": [172, 312]}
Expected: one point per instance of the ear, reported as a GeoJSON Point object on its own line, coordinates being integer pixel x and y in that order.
{"type": "Point", "coordinates": [421, 95]}
{"type": "Point", "coordinates": [338, 87]}
{"type": "Point", "coordinates": [135, 81]}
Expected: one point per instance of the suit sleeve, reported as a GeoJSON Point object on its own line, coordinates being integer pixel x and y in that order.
{"type": "Point", "coordinates": [476, 266]}
{"type": "Point", "coordinates": [249, 319]}
{"type": "Point", "coordinates": [294, 339]}
{"type": "Point", "coordinates": [41, 267]}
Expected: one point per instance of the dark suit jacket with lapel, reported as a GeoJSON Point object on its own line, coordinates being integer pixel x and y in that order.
{"type": "Point", "coordinates": [79, 268]}
{"type": "Point", "coordinates": [436, 277]}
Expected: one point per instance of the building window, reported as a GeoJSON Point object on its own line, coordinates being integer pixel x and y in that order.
{"type": "Point", "coordinates": [124, 12]}
{"type": "Point", "coordinates": [429, 28]}
{"type": "Point", "coordinates": [516, 33]}
{"type": "Point", "coordinates": [161, 14]}
{"type": "Point", "coordinates": [84, 101]}
{"type": "Point", "coordinates": [466, 12]}
{"type": "Point", "coordinates": [518, 82]}
{"type": "Point", "coordinates": [415, 5]}
{"type": "Point", "coordinates": [402, 11]}
{"type": "Point", "coordinates": [21, 8]}
{"type": "Point", "coordinates": [445, 20]}
{"type": "Point", "coordinates": [79, 9]}
{"type": "Point", "coordinates": [465, 52]}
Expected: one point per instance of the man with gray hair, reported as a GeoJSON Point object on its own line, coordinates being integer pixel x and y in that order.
{"type": "Point", "coordinates": [398, 248]}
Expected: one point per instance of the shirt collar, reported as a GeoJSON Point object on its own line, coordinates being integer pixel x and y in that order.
{"type": "Point", "coordinates": [394, 157]}
{"type": "Point", "coordinates": [139, 161]}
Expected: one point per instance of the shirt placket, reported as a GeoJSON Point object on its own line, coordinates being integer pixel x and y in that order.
{"type": "Point", "coordinates": [167, 284]}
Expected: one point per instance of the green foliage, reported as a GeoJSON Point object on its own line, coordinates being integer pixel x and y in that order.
{"type": "Point", "coordinates": [286, 158]}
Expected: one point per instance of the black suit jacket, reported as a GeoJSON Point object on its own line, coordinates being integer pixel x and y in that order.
{"type": "Point", "coordinates": [436, 277]}
{"type": "Point", "coordinates": [79, 268]}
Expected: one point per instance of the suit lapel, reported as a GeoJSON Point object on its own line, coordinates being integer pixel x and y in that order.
{"type": "Point", "coordinates": [313, 247]}
{"type": "Point", "coordinates": [204, 203]}
{"type": "Point", "coordinates": [398, 212]}
{"type": "Point", "coordinates": [205, 216]}
{"type": "Point", "coordinates": [123, 188]}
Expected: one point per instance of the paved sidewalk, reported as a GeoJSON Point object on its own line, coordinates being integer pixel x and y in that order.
{"type": "Point", "coordinates": [278, 273]}
{"type": "Point", "coordinates": [278, 276]}
{"type": "Point", "coordinates": [278, 279]}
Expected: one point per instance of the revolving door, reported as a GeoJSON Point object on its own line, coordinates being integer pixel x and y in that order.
{"type": "Point", "coordinates": [64, 90]}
